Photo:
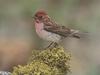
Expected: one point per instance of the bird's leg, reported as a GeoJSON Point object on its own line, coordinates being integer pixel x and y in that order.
{"type": "Point", "coordinates": [55, 44]}
{"type": "Point", "coordinates": [52, 45]}
{"type": "Point", "coordinates": [49, 45]}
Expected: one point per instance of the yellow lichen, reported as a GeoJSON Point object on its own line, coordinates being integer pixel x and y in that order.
{"type": "Point", "coordinates": [46, 62]}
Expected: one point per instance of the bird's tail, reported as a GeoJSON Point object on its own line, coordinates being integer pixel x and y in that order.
{"type": "Point", "coordinates": [78, 34]}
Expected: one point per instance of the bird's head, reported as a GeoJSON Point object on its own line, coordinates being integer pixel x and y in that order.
{"type": "Point", "coordinates": [40, 16]}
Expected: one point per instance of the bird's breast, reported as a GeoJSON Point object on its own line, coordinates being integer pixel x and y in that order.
{"type": "Point", "coordinates": [49, 36]}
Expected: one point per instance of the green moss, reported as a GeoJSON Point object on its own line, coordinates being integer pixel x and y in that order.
{"type": "Point", "coordinates": [35, 67]}
{"type": "Point", "coordinates": [46, 62]}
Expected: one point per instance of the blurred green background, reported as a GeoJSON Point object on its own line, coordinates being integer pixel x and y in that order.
{"type": "Point", "coordinates": [18, 37]}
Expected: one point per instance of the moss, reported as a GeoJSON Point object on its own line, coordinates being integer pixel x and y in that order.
{"type": "Point", "coordinates": [46, 62]}
{"type": "Point", "coordinates": [35, 67]}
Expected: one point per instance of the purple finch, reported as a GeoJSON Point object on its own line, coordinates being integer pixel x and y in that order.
{"type": "Point", "coordinates": [48, 30]}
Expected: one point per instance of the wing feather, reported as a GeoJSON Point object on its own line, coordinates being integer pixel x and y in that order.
{"type": "Point", "coordinates": [54, 28]}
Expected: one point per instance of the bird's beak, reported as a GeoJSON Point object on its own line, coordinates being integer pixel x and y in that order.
{"type": "Point", "coordinates": [34, 17]}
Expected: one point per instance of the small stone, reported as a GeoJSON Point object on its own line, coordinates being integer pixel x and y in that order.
{"type": "Point", "coordinates": [5, 73]}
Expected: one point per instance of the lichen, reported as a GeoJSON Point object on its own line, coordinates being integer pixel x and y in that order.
{"type": "Point", "coordinates": [46, 62]}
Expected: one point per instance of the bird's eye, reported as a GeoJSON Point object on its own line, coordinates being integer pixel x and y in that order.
{"type": "Point", "coordinates": [40, 16]}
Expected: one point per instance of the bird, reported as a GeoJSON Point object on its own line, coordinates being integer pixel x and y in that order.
{"type": "Point", "coordinates": [47, 29]}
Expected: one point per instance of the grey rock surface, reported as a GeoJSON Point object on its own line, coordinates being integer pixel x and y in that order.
{"type": "Point", "coordinates": [5, 73]}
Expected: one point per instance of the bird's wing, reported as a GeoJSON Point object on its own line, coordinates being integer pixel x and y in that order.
{"type": "Point", "coordinates": [54, 28]}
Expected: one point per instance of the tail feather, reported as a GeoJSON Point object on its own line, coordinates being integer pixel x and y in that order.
{"type": "Point", "coordinates": [78, 34]}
